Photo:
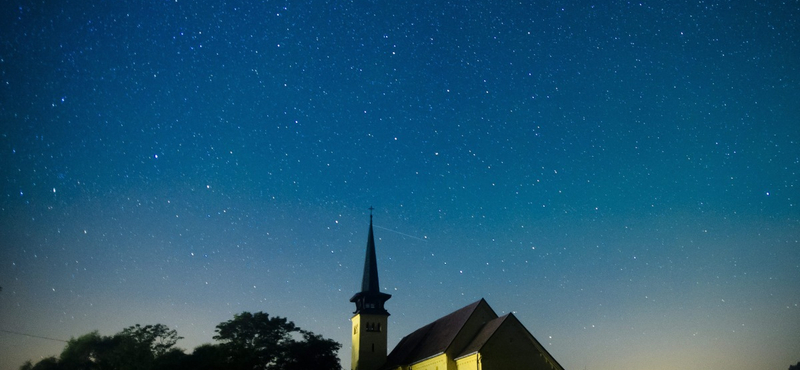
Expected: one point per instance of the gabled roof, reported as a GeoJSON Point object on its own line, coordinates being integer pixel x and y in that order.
{"type": "Point", "coordinates": [488, 332]}
{"type": "Point", "coordinates": [431, 339]}
{"type": "Point", "coordinates": [483, 336]}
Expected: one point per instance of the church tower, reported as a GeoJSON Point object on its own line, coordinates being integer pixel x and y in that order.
{"type": "Point", "coordinates": [370, 318]}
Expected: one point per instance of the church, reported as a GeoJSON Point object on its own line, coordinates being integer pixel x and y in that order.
{"type": "Point", "coordinates": [471, 338]}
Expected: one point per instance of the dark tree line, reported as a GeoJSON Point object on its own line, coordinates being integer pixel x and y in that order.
{"type": "Point", "coordinates": [246, 342]}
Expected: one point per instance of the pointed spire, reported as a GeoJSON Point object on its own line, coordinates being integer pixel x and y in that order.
{"type": "Point", "coordinates": [369, 283]}
{"type": "Point", "coordinates": [370, 299]}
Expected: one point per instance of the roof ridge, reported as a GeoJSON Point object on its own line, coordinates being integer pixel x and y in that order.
{"type": "Point", "coordinates": [484, 335]}
{"type": "Point", "coordinates": [461, 328]}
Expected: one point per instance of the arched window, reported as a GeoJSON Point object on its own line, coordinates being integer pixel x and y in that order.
{"type": "Point", "coordinates": [371, 326]}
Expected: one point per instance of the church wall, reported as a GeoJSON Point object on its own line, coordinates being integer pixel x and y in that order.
{"type": "Point", "coordinates": [468, 362]}
{"type": "Point", "coordinates": [513, 348]}
{"type": "Point", "coordinates": [440, 362]}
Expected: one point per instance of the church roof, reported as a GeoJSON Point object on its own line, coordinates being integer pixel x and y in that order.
{"type": "Point", "coordinates": [483, 336]}
{"type": "Point", "coordinates": [431, 339]}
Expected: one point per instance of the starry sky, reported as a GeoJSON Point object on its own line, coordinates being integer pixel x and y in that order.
{"type": "Point", "coordinates": [623, 176]}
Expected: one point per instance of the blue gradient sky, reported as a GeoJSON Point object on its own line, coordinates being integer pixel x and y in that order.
{"type": "Point", "coordinates": [622, 176]}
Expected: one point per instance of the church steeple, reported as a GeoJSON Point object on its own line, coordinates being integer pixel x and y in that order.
{"type": "Point", "coordinates": [370, 299]}
{"type": "Point", "coordinates": [370, 318]}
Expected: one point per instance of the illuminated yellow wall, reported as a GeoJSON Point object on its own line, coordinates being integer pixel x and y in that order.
{"type": "Point", "coordinates": [369, 342]}
{"type": "Point", "coordinates": [440, 362]}
{"type": "Point", "coordinates": [469, 362]}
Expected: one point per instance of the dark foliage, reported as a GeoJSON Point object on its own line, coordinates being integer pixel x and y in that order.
{"type": "Point", "coordinates": [247, 342]}
{"type": "Point", "coordinates": [257, 341]}
{"type": "Point", "coordinates": [50, 363]}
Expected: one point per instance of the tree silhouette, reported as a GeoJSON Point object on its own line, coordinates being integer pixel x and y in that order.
{"type": "Point", "coordinates": [89, 351]}
{"type": "Point", "coordinates": [49, 363]}
{"type": "Point", "coordinates": [158, 338]}
{"type": "Point", "coordinates": [259, 342]}
{"type": "Point", "coordinates": [134, 348]}
{"type": "Point", "coordinates": [247, 342]}
{"type": "Point", "coordinates": [205, 357]}
{"type": "Point", "coordinates": [314, 352]}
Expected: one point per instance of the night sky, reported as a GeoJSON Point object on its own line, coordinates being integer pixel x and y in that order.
{"type": "Point", "coordinates": [623, 176]}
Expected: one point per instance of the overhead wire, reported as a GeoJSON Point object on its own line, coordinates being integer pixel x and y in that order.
{"type": "Point", "coordinates": [32, 335]}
